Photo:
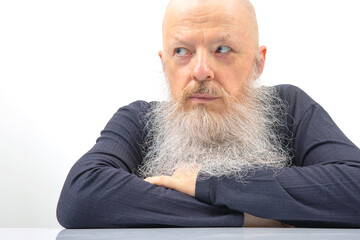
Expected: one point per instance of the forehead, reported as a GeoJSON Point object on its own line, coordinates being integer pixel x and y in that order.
{"type": "Point", "coordinates": [196, 15]}
{"type": "Point", "coordinates": [208, 20]}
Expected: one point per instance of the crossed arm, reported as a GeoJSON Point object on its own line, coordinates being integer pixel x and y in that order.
{"type": "Point", "coordinates": [102, 190]}
{"type": "Point", "coordinates": [184, 181]}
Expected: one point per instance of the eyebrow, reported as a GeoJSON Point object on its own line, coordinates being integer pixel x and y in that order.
{"type": "Point", "coordinates": [222, 39]}
{"type": "Point", "coordinates": [179, 41]}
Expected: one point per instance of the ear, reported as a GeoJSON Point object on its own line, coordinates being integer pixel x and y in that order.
{"type": "Point", "coordinates": [262, 57]}
{"type": "Point", "coordinates": [160, 53]}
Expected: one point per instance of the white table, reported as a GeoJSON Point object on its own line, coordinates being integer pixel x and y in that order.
{"type": "Point", "coordinates": [180, 233]}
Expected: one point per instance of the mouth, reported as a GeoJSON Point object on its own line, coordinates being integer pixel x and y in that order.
{"type": "Point", "coordinates": [202, 98]}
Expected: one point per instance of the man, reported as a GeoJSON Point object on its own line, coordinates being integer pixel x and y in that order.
{"type": "Point", "coordinates": [223, 151]}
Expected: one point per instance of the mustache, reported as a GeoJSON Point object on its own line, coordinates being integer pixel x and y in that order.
{"type": "Point", "coordinates": [204, 87]}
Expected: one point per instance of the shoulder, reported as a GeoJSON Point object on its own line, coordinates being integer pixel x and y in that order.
{"type": "Point", "coordinates": [131, 116]}
{"type": "Point", "coordinates": [136, 109]}
{"type": "Point", "coordinates": [293, 94]}
{"type": "Point", "coordinates": [296, 100]}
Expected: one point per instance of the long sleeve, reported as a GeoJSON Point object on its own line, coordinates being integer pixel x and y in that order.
{"type": "Point", "coordinates": [321, 189]}
{"type": "Point", "coordinates": [102, 189]}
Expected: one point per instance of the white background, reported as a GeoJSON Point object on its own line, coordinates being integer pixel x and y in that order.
{"type": "Point", "coordinates": [66, 66]}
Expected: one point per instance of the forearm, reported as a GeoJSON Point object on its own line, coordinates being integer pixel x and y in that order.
{"type": "Point", "coordinates": [98, 196]}
{"type": "Point", "coordinates": [322, 196]}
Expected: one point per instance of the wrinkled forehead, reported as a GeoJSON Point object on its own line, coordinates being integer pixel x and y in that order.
{"type": "Point", "coordinates": [193, 21]}
{"type": "Point", "coordinates": [200, 12]}
{"type": "Point", "coordinates": [222, 16]}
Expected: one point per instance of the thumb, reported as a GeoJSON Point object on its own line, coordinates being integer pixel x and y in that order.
{"type": "Point", "coordinates": [164, 181]}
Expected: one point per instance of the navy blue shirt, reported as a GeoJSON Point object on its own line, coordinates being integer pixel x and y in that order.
{"type": "Point", "coordinates": [320, 189]}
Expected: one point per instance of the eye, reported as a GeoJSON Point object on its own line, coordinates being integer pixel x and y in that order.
{"type": "Point", "coordinates": [223, 49]}
{"type": "Point", "coordinates": [181, 51]}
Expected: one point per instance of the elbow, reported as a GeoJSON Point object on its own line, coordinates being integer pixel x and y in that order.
{"type": "Point", "coordinates": [72, 213]}
{"type": "Point", "coordinates": [73, 209]}
{"type": "Point", "coordinates": [64, 220]}
{"type": "Point", "coordinates": [82, 210]}
{"type": "Point", "coordinates": [66, 212]}
{"type": "Point", "coordinates": [74, 205]}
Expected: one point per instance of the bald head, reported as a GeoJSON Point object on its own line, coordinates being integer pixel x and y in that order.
{"type": "Point", "coordinates": [217, 117]}
{"type": "Point", "coordinates": [214, 41]}
{"type": "Point", "coordinates": [241, 12]}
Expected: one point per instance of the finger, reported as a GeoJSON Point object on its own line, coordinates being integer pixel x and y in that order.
{"type": "Point", "coordinates": [152, 180]}
{"type": "Point", "coordinates": [164, 181]}
{"type": "Point", "coordinates": [149, 180]}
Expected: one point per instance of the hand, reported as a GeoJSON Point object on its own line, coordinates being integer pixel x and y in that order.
{"type": "Point", "coordinates": [252, 221]}
{"type": "Point", "coordinates": [182, 180]}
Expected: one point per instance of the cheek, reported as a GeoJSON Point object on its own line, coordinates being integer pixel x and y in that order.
{"type": "Point", "coordinates": [177, 79]}
{"type": "Point", "coordinates": [231, 80]}
{"type": "Point", "coordinates": [235, 80]}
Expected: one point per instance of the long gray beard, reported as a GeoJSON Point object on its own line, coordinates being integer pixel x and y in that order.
{"type": "Point", "coordinates": [234, 143]}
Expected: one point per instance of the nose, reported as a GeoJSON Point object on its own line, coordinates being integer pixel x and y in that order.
{"type": "Point", "coordinates": [202, 70]}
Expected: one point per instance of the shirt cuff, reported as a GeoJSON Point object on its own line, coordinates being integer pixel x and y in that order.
{"type": "Point", "coordinates": [205, 190]}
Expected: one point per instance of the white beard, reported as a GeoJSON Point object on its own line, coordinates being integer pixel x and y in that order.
{"type": "Point", "coordinates": [234, 143]}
